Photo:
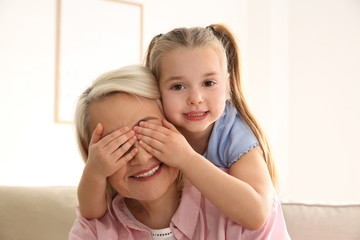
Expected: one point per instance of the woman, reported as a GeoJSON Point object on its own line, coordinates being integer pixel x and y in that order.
{"type": "Point", "coordinates": [149, 198]}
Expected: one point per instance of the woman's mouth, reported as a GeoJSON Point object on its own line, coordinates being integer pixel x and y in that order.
{"type": "Point", "coordinates": [147, 174]}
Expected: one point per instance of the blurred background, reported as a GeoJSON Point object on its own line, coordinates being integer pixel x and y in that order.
{"type": "Point", "coordinates": [302, 69]}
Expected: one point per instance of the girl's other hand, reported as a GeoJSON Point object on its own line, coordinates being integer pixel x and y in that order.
{"type": "Point", "coordinates": [110, 153]}
{"type": "Point", "coordinates": [165, 143]}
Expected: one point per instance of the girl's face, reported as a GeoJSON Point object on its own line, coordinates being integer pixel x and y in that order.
{"type": "Point", "coordinates": [194, 89]}
{"type": "Point", "coordinates": [144, 177]}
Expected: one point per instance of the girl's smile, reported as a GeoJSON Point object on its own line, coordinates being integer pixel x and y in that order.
{"type": "Point", "coordinates": [196, 115]}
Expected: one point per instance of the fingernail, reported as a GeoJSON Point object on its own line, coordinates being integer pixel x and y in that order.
{"type": "Point", "coordinates": [124, 129]}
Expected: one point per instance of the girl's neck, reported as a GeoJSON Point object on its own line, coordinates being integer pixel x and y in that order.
{"type": "Point", "coordinates": [198, 141]}
{"type": "Point", "coordinates": [156, 214]}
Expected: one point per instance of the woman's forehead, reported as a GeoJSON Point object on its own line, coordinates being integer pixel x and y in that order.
{"type": "Point", "coordinates": [123, 110]}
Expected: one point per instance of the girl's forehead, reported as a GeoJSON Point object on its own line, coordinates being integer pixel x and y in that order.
{"type": "Point", "coordinates": [178, 52]}
{"type": "Point", "coordinates": [183, 60]}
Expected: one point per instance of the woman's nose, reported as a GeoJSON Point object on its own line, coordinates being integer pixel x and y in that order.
{"type": "Point", "coordinates": [142, 157]}
{"type": "Point", "coordinates": [195, 97]}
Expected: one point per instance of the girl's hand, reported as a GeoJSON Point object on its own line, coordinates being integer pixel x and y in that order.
{"type": "Point", "coordinates": [110, 153]}
{"type": "Point", "coordinates": [165, 143]}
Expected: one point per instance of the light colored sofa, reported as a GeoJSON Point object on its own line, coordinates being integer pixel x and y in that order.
{"type": "Point", "coordinates": [47, 213]}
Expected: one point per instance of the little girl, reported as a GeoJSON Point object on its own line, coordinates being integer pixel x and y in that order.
{"type": "Point", "coordinates": [199, 76]}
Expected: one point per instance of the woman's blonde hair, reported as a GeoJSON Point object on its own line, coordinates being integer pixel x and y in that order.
{"type": "Point", "coordinates": [223, 41]}
{"type": "Point", "coordinates": [135, 80]}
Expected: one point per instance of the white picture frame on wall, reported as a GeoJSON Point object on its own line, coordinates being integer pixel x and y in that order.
{"type": "Point", "coordinates": [93, 37]}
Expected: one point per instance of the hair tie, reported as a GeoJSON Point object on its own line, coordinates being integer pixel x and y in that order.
{"type": "Point", "coordinates": [216, 34]}
{"type": "Point", "coordinates": [211, 28]}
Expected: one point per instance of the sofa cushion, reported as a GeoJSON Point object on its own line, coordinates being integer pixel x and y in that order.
{"type": "Point", "coordinates": [47, 213]}
{"type": "Point", "coordinates": [40, 213]}
{"type": "Point", "coordinates": [322, 221]}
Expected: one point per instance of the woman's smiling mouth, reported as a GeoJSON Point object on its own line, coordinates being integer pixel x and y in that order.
{"type": "Point", "coordinates": [147, 174]}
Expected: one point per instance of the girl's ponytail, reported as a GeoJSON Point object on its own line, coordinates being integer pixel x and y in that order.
{"type": "Point", "coordinates": [227, 38]}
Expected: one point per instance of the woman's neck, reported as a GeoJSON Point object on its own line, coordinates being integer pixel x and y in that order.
{"type": "Point", "coordinates": [156, 214]}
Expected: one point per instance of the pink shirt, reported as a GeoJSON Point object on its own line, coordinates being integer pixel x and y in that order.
{"type": "Point", "coordinates": [195, 218]}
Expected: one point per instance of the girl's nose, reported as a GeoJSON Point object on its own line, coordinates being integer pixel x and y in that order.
{"type": "Point", "coordinates": [141, 158]}
{"type": "Point", "coordinates": [195, 98]}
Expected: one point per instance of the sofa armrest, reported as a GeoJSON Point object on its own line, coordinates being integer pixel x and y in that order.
{"type": "Point", "coordinates": [40, 213]}
{"type": "Point", "coordinates": [321, 221]}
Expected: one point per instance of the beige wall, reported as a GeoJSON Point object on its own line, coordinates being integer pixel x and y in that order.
{"type": "Point", "coordinates": [34, 150]}
{"type": "Point", "coordinates": [304, 80]}
{"type": "Point", "coordinates": [324, 117]}
{"type": "Point", "coordinates": [303, 83]}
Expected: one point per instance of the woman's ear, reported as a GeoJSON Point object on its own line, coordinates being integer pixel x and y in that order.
{"type": "Point", "coordinates": [84, 150]}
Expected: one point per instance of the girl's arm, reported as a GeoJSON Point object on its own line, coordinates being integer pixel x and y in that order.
{"type": "Point", "coordinates": [244, 195]}
{"type": "Point", "coordinates": [105, 157]}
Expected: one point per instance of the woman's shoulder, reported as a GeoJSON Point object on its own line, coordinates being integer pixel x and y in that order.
{"type": "Point", "coordinates": [198, 218]}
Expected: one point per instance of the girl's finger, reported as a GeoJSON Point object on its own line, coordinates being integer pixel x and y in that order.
{"type": "Point", "coordinates": [126, 147]}
{"type": "Point", "coordinates": [105, 140]}
{"type": "Point", "coordinates": [119, 141]}
{"type": "Point", "coordinates": [96, 135]}
{"type": "Point", "coordinates": [152, 142]}
{"type": "Point", "coordinates": [156, 153]}
{"type": "Point", "coordinates": [126, 158]}
{"type": "Point", "coordinates": [154, 127]}
{"type": "Point", "coordinates": [168, 125]}
{"type": "Point", "coordinates": [151, 133]}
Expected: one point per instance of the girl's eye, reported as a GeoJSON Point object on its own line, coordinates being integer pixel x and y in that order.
{"type": "Point", "coordinates": [208, 83]}
{"type": "Point", "coordinates": [177, 87]}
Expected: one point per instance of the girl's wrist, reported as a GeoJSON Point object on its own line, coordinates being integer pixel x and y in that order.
{"type": "Point", "coordinates": [93, 174]}
{"type": "Point", "coordinates": [187, 162]}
